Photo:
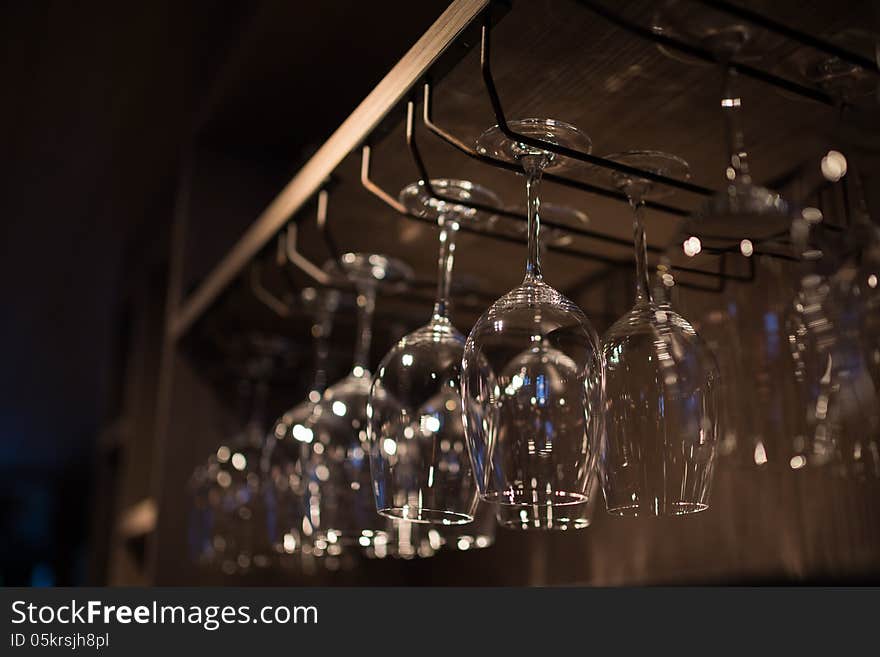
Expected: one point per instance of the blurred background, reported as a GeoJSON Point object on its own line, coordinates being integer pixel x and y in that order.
{"type": "Point", "coordinates": [102, 101]}
{"type": "Point", "coordinates": [140, 138]}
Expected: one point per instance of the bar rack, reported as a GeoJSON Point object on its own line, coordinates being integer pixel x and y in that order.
{"type": "Point", "coordinates": [416, 69]}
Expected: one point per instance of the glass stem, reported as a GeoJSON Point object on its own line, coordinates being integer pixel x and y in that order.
{"type": "Point", "coordinates": [640, 244]}
{"type": "Point", "coordinates": [533, 205]}
{"type": "Point", "coordinates": [731, 104]}
{"type": "Point", "coordinates": [366, 302]}
{"type": "Point", "coordinates": [256, 417]}
{"type": "Point", "coordinates": [659, 292]}
{"type": "Point", "coordinates": [445, 262]}
{"type": "Point", "coordinates": [321, 330]}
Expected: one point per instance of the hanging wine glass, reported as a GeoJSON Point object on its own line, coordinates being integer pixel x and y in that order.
{"type": "Point", "coordinates": [549, 518]}
{"type": "Point", "coordinates": [852, 405]}
{"type": "Point", "coordinates": [408, 540]}
{"type": "Point", "coordinates": [833, 321]}
{"type": "Point", "coordinates": [532, 384]}
{"type": "Point", "coordinates": [845, 81]}
{"type": "Point", "coordinates": [743, 210]}
{"type": "Point", "coordinates": [764, 407]}
{"type": "Point", "coordinates": [827, 324]}
{"type": "Point", "coordinates": [866, 287]}
{"type": "Point", "coordinates": [661, 386]}
{"type": "Point", "coordinates": [716, 31]}
{"type": "Point", "coordinates": [338, 505]}
{"type": "Point", "coordinates": [861, 331]}
{"type": "Point", "coordinates": [542, 517]}
{"type": "Point", "coordinates": [236, 505]}
{"type": "Point", "coordinates": [284, 444]}
{"type": "Point", "coordinates": [420, 467]}
{"type": "Point", "coordinates": [322, 304]}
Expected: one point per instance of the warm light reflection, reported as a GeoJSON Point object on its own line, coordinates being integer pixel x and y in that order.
{"type": "Point", "coordinates": [692, 246]}
{"type": "Point", "coordinates": [302, 433]}
{"type": "Point", "coordinates": [833, 166]}
{"type": "Point", "coordinates": [760, 454]}
{"type": "Point", "coordinates": [812, 215]}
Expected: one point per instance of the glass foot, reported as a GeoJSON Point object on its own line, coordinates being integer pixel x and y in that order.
{"type": "Point", "coordinates": [658, 162]}
{"type": "Point", "coordinates": [416, 198]}
{"type": "Point", "coordinates": [374, 267]}
{"type": "Point", "coordinates": [496, 144]}
{"type": "Point", "coordinates": [742, 211]}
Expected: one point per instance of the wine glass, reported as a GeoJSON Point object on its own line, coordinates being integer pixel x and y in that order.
{"type": "Point", "coordinates": [661, 386]}
{"type": "Point", "coordinates": [743, 210]}
{"type": "Point", "coordinates": [861, 331]}
{"type": "Point", "coordinates": [548, 518]}
{"type": "Point", "coordinates": [338, 506]}
{"type": "Point", "coordinates": [849, 83]}
{"type": "Point", "coordinates": [769, 418]}
{"type": "Point", "coordinates": [323, 305]}
{"type": "Point", "coordinates": [420, 467]}
{"type": "Point", "coordinates": [833, 318]}
{"type": "Point", "coordinates": [830, 335]}
{"type": "Point", "coordinates": [408, 540]}
{"type": "Point", "coordinates": [232, 504]}
{"type": "Point", "coordinates": [284, 443]}
{"type": "Point", "coordinates": [532, 378]}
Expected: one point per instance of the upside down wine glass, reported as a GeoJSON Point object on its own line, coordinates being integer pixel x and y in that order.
{"type": "Point", "coordinates": [743, 210]}
{"type": "Point", "coordinates": [661, 386]}
{"type": "Point", "coordinates": [232, 505]}
{"type": "Point", "coordinates": [338, 507]}
{"type": "Point", "coordinates": [532, 379]}
{"type": "Point", "coordinates": [420, 466]}
{"type": "Point", "coordinates": [284, 444]}
{"type": "Point", "coordinates": [542, 517]}
{"type": "Point", "coordinates": [833, 320]}
{"type": "Point", "coordinates": [409, 540]}
{"type": "Point", "coordinates": [549, 518]}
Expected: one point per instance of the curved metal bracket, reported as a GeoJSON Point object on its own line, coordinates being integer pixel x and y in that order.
{"type": "Point", "coordinates": [298, 260]}
{"type": "Point", "coordinates": [398, 207]}
{"type": "Point", "coordinates": [276, 305]}
{"type": "Point", "coordinates": [376, 190]}
{"type": "Point", "coordinates": [323, 225]}
{"type": "Point", "coordinates": [459, 145]}
{"type": "Point", "coordinates": [519, 216]}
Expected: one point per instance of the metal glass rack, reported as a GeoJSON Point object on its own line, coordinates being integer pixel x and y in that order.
{"type": "Point", "coordinates": [414, 71]}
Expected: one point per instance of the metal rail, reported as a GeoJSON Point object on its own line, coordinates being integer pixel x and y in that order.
{"type": "Point", "coordinates": [462, 147]}
{"type": "Point", "coordinates": [706, 55]}
{"type": "Point", "coordinates": [357, 127]}
{"type": "Point", "coordinates": [415, 66]}
{"type": "Point", "coordinates": [564, 151]}
{"type": "Point", "coordinates": [794, 35]}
